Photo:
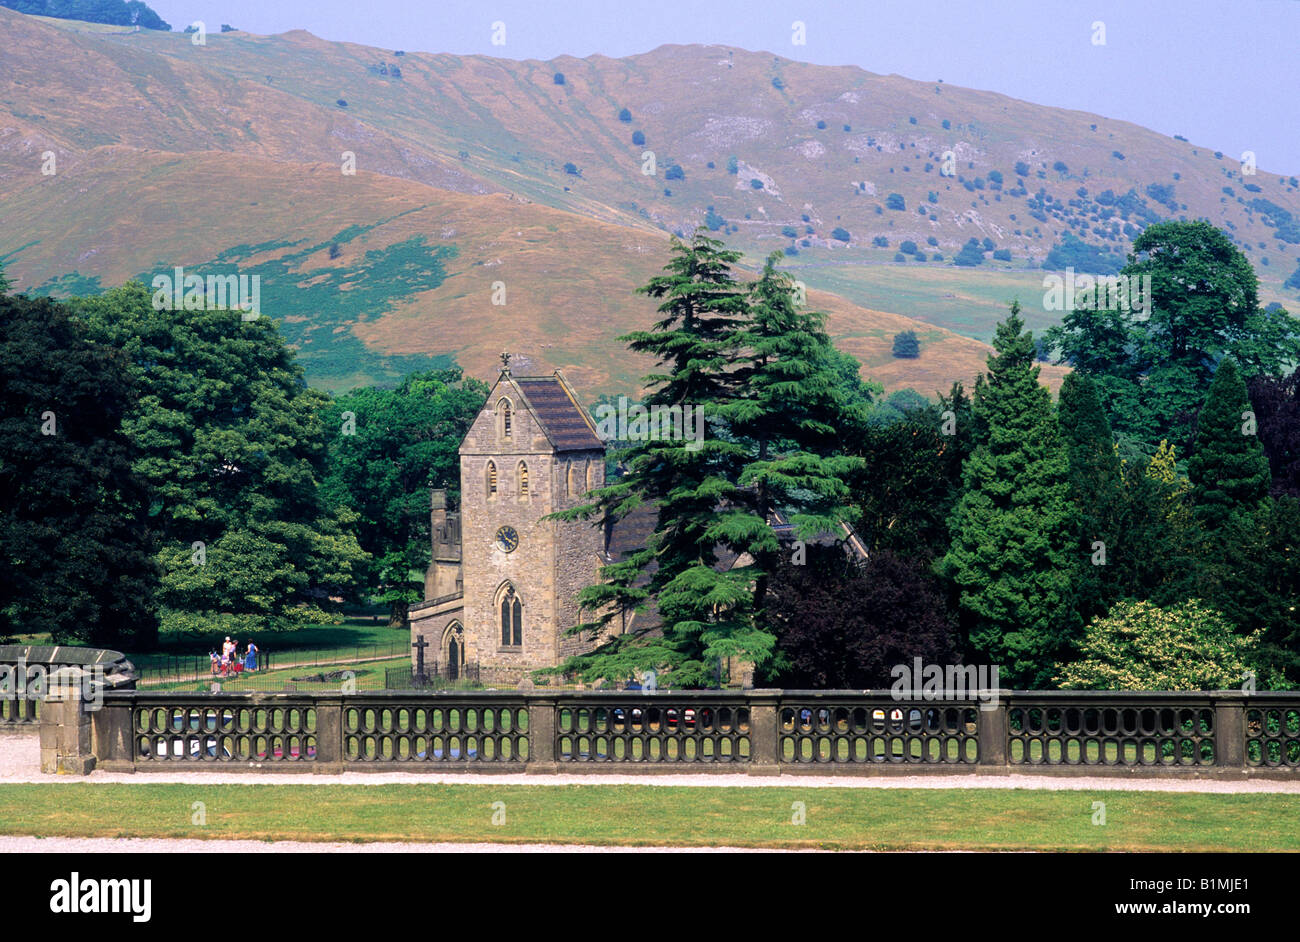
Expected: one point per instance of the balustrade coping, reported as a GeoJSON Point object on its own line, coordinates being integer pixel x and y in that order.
{"type": "Point", "coordinates": [1021, 698]}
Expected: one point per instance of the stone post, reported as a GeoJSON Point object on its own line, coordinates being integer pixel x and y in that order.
{"type": "Point", "coordinates": [66, 727]}
{"type": "Point", "coordinates": [543, 716]}
{"type": "Point", "coordinates": [764, 732]}
{"type": "Point", "coordinates": [991, 732]}
{"type": "Point", "coordinates": [113, 736]}
{"type": "Point", "coordinates": [1230, 729]}
{"type": "Point", "coordinates": [329, 734]}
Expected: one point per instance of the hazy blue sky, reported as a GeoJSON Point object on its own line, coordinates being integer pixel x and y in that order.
{"type": "Point", "coordinates": [1223, 73]}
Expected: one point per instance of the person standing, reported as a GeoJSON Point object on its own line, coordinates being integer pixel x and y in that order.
{"type": "Point", "coordinates": [250, 657]}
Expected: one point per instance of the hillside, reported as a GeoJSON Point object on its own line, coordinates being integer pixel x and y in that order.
{"type": "Point", "coordinates": [247, 135]}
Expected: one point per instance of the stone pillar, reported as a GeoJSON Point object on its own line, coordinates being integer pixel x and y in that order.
{"type": "Point", "coordinates": [329, 734]}
{"type": "Point", "coordinates": [991, 732]}
{"type": "Point", "coordinates": [764, 732]}
{"type": "Point", "coordinates": [66, 727]}
{"type": "Point", "coordinates": [543, 717]}
{"type": "Point", "coordinates": [1230, 730]}
{"type": "Point", "coordinates": [113, 736]}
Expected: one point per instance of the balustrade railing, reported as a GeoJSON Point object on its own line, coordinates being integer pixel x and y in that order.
{"type": "Point", "coordinates": [755, 731]}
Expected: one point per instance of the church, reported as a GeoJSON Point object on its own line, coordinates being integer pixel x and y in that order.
{"type": "Point", "coordinates": [501, 589]}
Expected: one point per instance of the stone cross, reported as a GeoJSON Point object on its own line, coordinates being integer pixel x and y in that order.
{"type": "Point", "coordinates": [420, 644]}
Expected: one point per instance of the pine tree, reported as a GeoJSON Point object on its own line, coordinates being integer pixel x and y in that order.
{"type": "Point", "coordinates": [1095, 486]}
{"type": "Point", "coordinates": [1013, 528]}
{"type": "Point", "coordinates": [1229, 471]}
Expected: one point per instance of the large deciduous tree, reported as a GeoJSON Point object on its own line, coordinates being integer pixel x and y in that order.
{"type": "Point", "coordinates": [387, 448]}
{"type": "Point", "coordinates": [1153, 366]}
{"type": "Point", "coordinates": [75, 541]}
{"type": "Point", "coordinates": [229, 441]}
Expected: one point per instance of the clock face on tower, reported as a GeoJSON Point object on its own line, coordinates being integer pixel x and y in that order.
{"type": "Point", "coordinates": [507, 539]}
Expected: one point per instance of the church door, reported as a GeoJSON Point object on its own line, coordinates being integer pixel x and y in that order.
{"type": "Point", "coordinates": [453, 660]}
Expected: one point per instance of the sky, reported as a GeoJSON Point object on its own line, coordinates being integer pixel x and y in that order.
{"type": "Point", "coordinates": [1225, 74]}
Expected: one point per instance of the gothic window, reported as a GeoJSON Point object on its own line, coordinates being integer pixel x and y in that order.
{"type": "Point", "coordinates": [523, 480]}
{"type": "Point", "coordinates": [569, 486]}
{"type": "Point", "coordinates": [588, 469]}
{"type": "Point", "coordinates": [503, 408]}
{"type": "Point", "coordinates": [512, 619]}
{"type": "Point", "coordinates": [491, 479]}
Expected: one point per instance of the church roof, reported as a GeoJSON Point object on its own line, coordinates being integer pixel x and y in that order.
{"type": "Point", "coordinates": [565, 422]}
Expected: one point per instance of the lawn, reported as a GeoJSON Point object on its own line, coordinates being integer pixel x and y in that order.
{"type": "Point", "coordinates": [369, 675]}
{"type": "Point", "coordinates": [639, 815]}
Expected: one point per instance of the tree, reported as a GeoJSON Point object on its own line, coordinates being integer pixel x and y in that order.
{"type": "Point", "coordinates": [704, 611]}
{"type": "Point", "coordinates": [625, 116]}
{"type": "Point", "coordinates": [387, 448]}
{"type": "Point", "coordinates": [1157, 551]}
{"type": "Point", "coordinates": [969, 256]}
{"type": "Point", "coordinates": [906, 345]}
{"type": "Point", "coordinates": [558, 78]}
{"type": "Point", "coordinates": [844, 625]}
{"type": "Point", "coordinates": [772, 386]}
{"type": "Point", "coordinates": [911, 478]}
{"type": "Point", "coordinates": [1154, 366]}
{"type": "Point", "coordinates": [75, 540]}
{"type": "Point", "coordinates": [1228, 470]}
{"type": "Point", "coordinates": [840, 234]}
{"type": "Point", "coordinates": [790, 417]}
{"type": "Point", "coordinates": [1276, 403]}
{"type": "Point", "coordinates": [1010, 558]}
{"type": "Point", "coordinates": [230, 444]}
{"type": "Point", "coordinates": [638, 138]}
{"type": "Point", "coordinates": [1141, 646]}
{"type": "Point", "coordinates": [1095, 487]}
{"type": "Point", "coordinates": [895, 202]}
{"type": "Point", "coordinates": [112, 12]}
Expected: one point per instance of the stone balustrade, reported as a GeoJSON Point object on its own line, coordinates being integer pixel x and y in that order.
{"type": "Point", "coordinates": [762, 732]}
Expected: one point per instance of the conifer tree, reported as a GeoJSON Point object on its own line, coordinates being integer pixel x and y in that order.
{"type": "Point", "coordinates": [704, 613]}
{"type": "Point", "coordinates": [792, 415]}
{"type": "Point", "coordinates": [769, 381]}
{"type": "Point", "coordinates": [1229, 471]}
{"type": "Point", "coordinates": [1013, 528]}
{"type": "Point", "coordinates": [1095, 486]}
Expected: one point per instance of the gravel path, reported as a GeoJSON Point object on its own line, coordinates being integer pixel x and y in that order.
{"type": "Point", "coordinates": [20, 764]}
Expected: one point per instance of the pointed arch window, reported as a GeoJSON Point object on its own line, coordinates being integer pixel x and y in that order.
{"type": "Point", "coordinates": [503, 409]}
{"type": "Point", "coordinates": [569, 483]}
{"type": "Point", "coordinates": [512, 619]}
{"type": "Point", "coordinates": [523, 481]}
{"type": "Point", "coordinates": [491, 479]}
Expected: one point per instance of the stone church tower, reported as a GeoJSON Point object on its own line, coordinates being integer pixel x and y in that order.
{"type": "Point", "coordinates": [501, 589]}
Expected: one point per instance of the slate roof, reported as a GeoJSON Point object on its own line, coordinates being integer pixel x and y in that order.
{"type": "Point", "coordinates": [565, 422]}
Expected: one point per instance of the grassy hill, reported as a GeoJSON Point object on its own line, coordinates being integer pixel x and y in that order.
{"type": "Point", "coordinates": [472, 169]}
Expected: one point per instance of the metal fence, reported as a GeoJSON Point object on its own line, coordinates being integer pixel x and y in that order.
{"type": "Point", "coordinates": [1177, 735]}
{"type": "Point", "coordinates": [437, 676]}
{"type": "Point", "coordinates": [170, 669]}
